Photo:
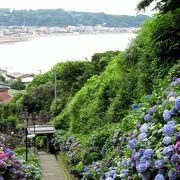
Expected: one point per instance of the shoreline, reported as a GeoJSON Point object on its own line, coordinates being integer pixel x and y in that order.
{"type": "Point", "coordinates": [11, 40]}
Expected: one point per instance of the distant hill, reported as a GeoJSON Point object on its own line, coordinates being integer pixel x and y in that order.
{"type": "Point", "coordinates": [62, 18]}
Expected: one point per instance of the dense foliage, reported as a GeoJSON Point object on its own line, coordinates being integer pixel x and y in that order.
{"type": "Point", "coordinates": [62, 18]}
{"type": "Point", "coordinates": [162, 5]}
{"type": "Point", "coordinates": [106, 98]}
{"type": "Point", "coordinates": [17, 85]}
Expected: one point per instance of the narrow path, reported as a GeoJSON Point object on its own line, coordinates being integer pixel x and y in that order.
{"type": "Point", "coordinates": [50, 167]}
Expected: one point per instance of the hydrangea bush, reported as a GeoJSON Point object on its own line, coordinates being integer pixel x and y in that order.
{"type": "Point", "coordinates": [146, 144]}
{"type": "Point", "coordinates": [15, 167]}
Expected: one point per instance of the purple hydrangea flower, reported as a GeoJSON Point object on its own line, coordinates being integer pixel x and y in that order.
{"type": "Point", "coordinates": [152, 110]}
{"type": "Point", "coordinates": [175, 158]}
{"type": "Point", "coordinates": [159, 177]}
{"type": "Point", "coordinates": [144, 128]}
{"type": "Point", "coordinates": [159, 164]}
{"type": "Point", "coordinates": [172, 175]}
{"type": "Point", "coordinates": [1, 178]}
{"type": "Point", "coordinates": [178, 168]}
{"type": "Point", "coordinates": [177, 147]}
{"type": "Point", "coordinates": [148, 153]}
{"type": "Point", "coordinates": [177, 103]}
{"type": "Point", "coordinates": [168, 130]}
{"type": "Point", "coordinates": [141, 167]}
{"type": "Point", "coordinates": [147, 118]}
{"type": "Point", "coordinates": [167, 115]}
{"type": "Point", "coordinates": [168, 151]}
{"type": "Point", "coordinates": [142, 136]}
{"type": "Point", "coordinates": [3, 165]}
{"type": "Point", "coordinates": [177, 136]}
{"type": "Point", "coordinates": [167, 140]}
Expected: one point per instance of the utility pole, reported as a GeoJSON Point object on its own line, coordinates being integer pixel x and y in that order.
{"type": "Point", "coordinates": [40, 71]}
{"type": "Point", "coordinates": [55, 84]}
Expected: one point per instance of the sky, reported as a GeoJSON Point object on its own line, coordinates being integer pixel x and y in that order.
{"type": "Point", "coordinates": [118, 7]}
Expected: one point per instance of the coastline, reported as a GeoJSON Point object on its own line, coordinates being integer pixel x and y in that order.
{"type": "Point", "coordinates": [12, 39]}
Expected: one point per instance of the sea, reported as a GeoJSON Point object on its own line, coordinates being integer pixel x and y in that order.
{"type": "Point", "coordinates": [40, 54]}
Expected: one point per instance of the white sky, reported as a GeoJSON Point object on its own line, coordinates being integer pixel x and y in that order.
{"type": "Point", "coordinates": [122, 7]}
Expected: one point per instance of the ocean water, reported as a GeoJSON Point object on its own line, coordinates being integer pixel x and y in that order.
{"type": "Point", "coordinates": [42, 53]}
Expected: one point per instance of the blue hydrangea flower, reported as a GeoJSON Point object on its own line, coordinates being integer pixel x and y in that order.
{"type": "Point", "coordinates": [165, 91]}
{"type": "Point", "coordinates": [148, 153]}
{"type": "Point", "coordinates": [159, 164]}
{"type": "Point", "coordinates": [124, 163]}
{"type": "Point", "coordinates": [137, 156]}
{"type": "Point", "coordinates": [178, 81]}
{"type": "Point", "coordinates": [114, 141]}
{"type": "Point", "coordinates": [114, 176]}
{"type": "Point", "coordinates": [164, 103]}
{"type": "Point", "coordinates": [147, 161]}
{"type": "Point", "coordinates": [167, 140]}
{"type": "Point", "coordinates": [173, 123]}
{"type": "Point", "coordinates": [168, 151]}
{"type": "Point", "coordinates": [177, 103]}
{"type": "Point", "coordinates": [152, 110]}
{"type": "Point", "coordinates": [171, 94]}
{"type": "Point", "coordinates": [141, 167]}
{"type": "Point", "coordinates": [144, 128]}
{"type": "Point", "coordinates": [142, 115]}
{"type": "Point", "coordinates": [159, 177]}
{"type": "Point", "coordinates": [134, 107]}
{"type": "Point", "coordinates": [166, 159]}
{"type": "Point", "coordinates": [131, 144]}
{"type": "Point", "coordinates": [138, 126]}
{"type": "Point", "coordinates": [167, 115]}
{"type": "Point", "coordinates": [173, 84]}
{"type": "Point", "coordinates": [168, 130]}
{"type": "Point", "coordinates": [172, 175]}
{"type": "Point", "coordinates": [147, 118]}
{"type": "Point", "coordinates": [142, 136]}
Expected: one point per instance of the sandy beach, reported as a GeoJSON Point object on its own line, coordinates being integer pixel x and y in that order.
{"type": "Point", "coordinates": [10, 39]}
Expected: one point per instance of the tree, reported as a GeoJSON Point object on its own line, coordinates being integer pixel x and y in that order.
{"type": "Point", "coordinates": [2, 79]}
{"type": "Point", "coordinates": [162, 5]}
{"type": "Point", "coordinates": [17, 85]}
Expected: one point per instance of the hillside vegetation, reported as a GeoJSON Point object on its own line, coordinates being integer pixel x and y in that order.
{"type": "Point", "coordinates": [62, 18]}
{"type": "Point", "coordinates": [118, 116]}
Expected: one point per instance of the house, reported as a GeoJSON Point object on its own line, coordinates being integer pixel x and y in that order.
{"type": "Point", "coordinates": [4, 96]}
{"type": "Point", "coordinates": [27, 78]}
